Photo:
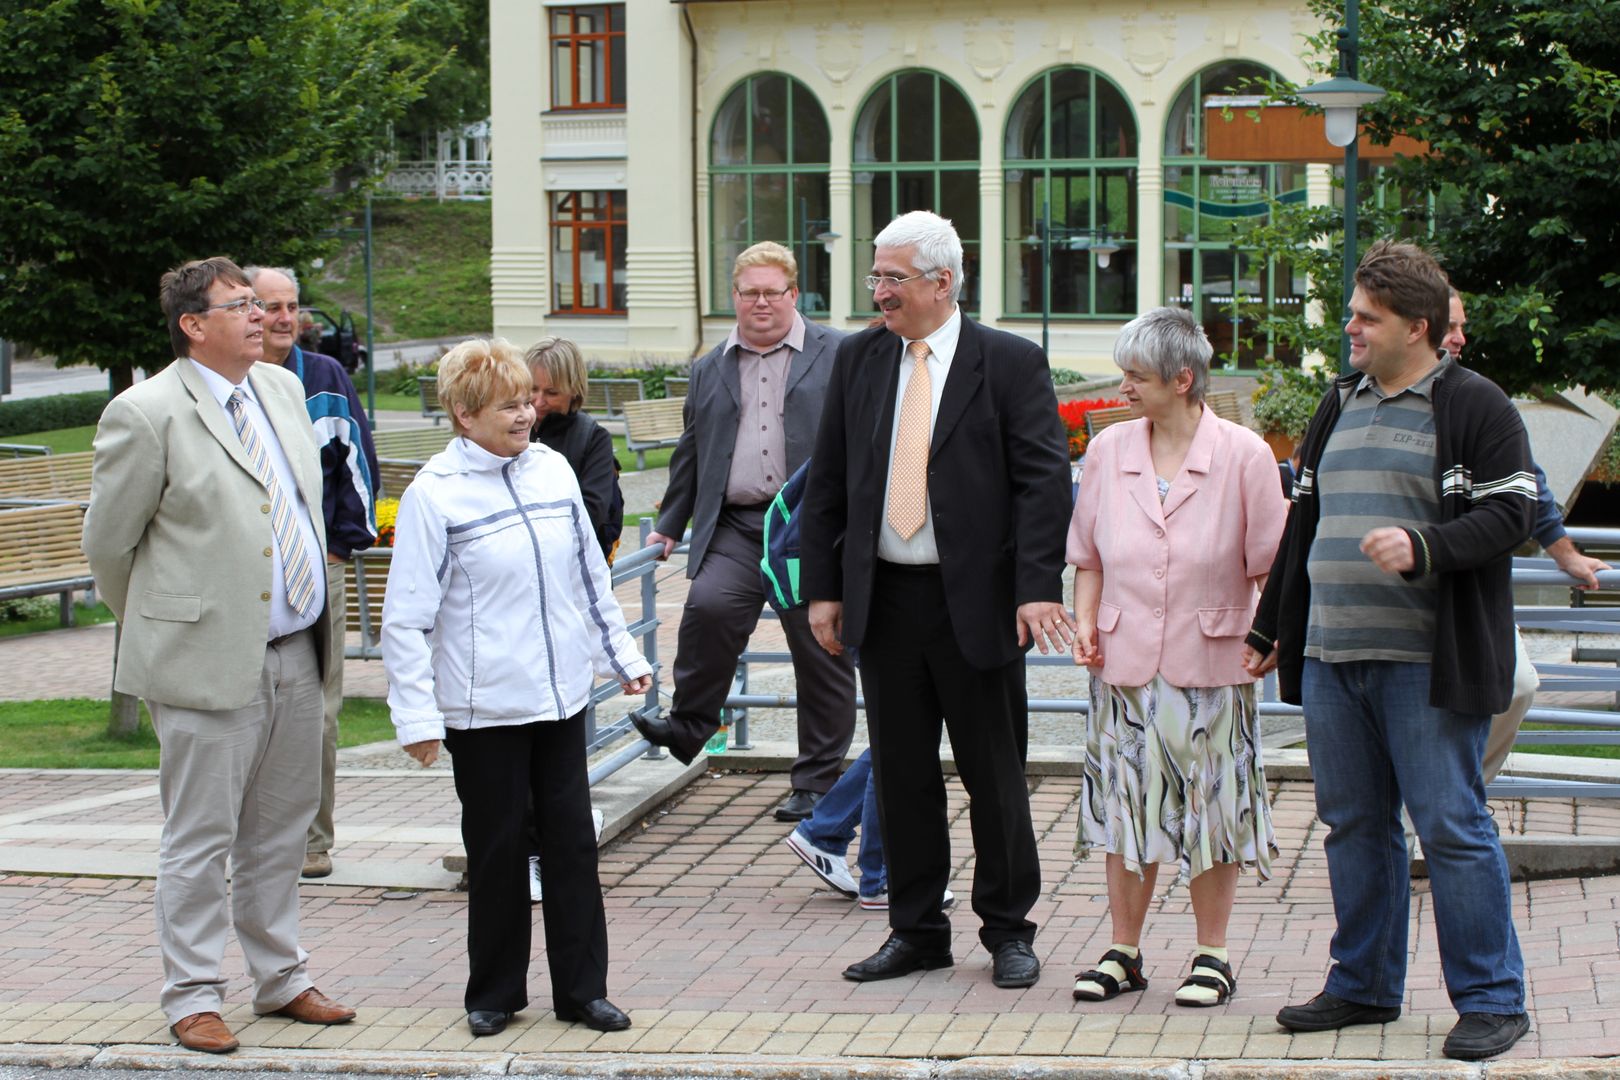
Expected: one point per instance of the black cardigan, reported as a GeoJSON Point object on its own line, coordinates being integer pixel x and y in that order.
{"type": "Point", "coordinates": [589, 449]}
{"type": "Point", "coordinates": [1487, 503]}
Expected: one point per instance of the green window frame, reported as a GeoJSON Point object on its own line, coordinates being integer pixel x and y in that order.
{"type": "Point", "coordinates": [1070, 147]}
{"type": "Point", "coordinates": [1208, 206]}
{"type": "Point", "coordinates": [769, 152]}
{"type": "Point", "coordinates": [902, 163]}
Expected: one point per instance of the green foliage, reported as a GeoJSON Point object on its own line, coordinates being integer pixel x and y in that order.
{"type": "Point", "coordinates": [651, 370]}
{"type": "Point", "coordinates": [47, 413]}
{"type": "Point", "coordinates": [1517, 100]}
{"type": "Point", "coordinates": [1608, 465]}
{"type": "Point", "coordinates": [69, 440]}
{"type": "Point", "coordinates": [1068, 376]}
{"type": "Point", "coordinates": [430, 271]}
{"type": "Point", "coordinates": [1285, 398]}
{"type": "Point", "coordinates": [71, 733]}
{"type": "Point", "coordinates": [137, 134]}
{"type": "Point", "coordinates": [458, 92]}
{"type": "Point", "coordinates": [32, 614]}
{"type": "Point", "coordinates": [402, 379]}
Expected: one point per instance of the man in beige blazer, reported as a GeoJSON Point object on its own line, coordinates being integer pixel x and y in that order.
{"type": "Point", "coordinates": [201, 539]}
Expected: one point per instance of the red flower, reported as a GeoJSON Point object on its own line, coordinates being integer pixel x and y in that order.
{"type": "Point", "coordinates": [1073, 414]}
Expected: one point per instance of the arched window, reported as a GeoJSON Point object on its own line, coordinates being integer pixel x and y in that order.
{"type": "Point", "coordinates": [916, 148]}
{"type": "Point", "coordinates": [1209, 206]}
{"type": "Point", "coordinates": [768, 181]}
{"type": "Point", "coordinates": [1070, 159]}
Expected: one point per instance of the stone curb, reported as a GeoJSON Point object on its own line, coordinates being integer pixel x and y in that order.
{"type": "Point", "coordinates": [654, 1066]}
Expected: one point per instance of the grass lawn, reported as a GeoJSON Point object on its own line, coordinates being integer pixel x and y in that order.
{"type": "Point", "coordinates": [71, 733]}
{"type": "Point", "coordinates": [430, 271]}
{"type": "Point", "coordinates": [61, 441]}
{"type": "Point", "coordinates": [1568, 751]}
{"type": "Point", "coordinates": [83, 614]}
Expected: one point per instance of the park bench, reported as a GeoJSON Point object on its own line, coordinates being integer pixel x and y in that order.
{"type": "Point", "coordinates": [366, 574]}
{"type": "Point", "coordinates": [41, 554]}
{"type": "Point", "coordinates": [401, 454]}
{"type": "Point", "coordinates": [17, 450]}
{"type": "Point", "coordinates": [52, 477]}
{"type": "Point", "coordinates": [608, 397]}
{"type": "Point", "coordinates": [428, 387]}
{"type": "Point", "coordinates": [675, 385]}
{"type": "Point", "coordinates": [651, 425]}
{"type": "Point", "coordinates": [1223, 403]}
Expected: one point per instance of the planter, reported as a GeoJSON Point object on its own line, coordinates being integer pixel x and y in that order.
{"type": "Point", "coordinates": [1282, 446]}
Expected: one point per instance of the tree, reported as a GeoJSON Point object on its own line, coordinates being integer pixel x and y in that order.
{"type": "Point", "coordinates": [137, 134]}
{"type": "Point", "coordinates": [458, 92]}
{"type": "Point", "coordinates": [1517, 100]}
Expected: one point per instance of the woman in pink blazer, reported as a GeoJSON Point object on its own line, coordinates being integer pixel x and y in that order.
{"type": "Point", "coordinates": [1175, 526]}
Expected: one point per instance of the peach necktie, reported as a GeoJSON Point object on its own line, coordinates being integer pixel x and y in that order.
{"type": "Point", "coordinates": [908, 472]}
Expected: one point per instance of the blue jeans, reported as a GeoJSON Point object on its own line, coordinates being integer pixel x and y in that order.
{"type": "Point", "coordinates": [1374, 740]}
{"type": "Point", "coordinates": [831, 826]}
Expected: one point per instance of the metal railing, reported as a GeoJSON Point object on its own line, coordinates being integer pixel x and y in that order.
{"type": "Point", "coordinates": [1596, 727]}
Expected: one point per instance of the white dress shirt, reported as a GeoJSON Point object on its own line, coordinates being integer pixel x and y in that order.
{"type": "Point", "coordinates": [284, 618]}
{"type": "Point", "coordinates": [921, 548]}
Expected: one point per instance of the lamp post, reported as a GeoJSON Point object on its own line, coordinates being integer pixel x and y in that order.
{"type": "Point", "coordinates": [811, 229]}
{"type": "Point", "coordinates": [1097, 241]}
{"type": "Point", "coordinates": [1339, 98]}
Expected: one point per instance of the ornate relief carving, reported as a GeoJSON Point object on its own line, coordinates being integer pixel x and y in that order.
{"type": "Point", "coordinates": [988, 50]}
{"type": "Point", "coordinates": [1146, 48]}
{"type": "Point", "coordinates": [838, 50]}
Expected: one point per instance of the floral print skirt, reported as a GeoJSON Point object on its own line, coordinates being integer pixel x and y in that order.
{"type": "Point", "coordinates": [1174, 775]}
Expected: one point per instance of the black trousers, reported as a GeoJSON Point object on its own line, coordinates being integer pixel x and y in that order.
{"type": "Point", "coordinates": [722, 609]}
{"type": "Point", "coordinates": [497, 769]}
{"type": "Point", "coordinates": [916, 679]}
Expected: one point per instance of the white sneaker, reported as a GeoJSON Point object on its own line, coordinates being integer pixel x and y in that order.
{"type": "Point", "coordinates": [829, 868]}
{"type": "Point", "coordinates": [534, 879]}
{"type": "Point", "coordinates": [880, 902]}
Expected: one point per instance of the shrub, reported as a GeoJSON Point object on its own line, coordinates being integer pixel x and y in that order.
{"type": "Point", "coordinates": [28, 608]}
{"type": "Point", "coordinates": [50, 413]}
{"type": "Point", "coordinates": [1062, 376]}
{"type": "Point", "coordinates": [1286, 397]}
{"type": "Point", "coordinates": [651, 370]}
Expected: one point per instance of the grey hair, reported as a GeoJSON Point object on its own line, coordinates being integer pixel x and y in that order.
{"type": "Point", "coordinates": [1165, 341]}
{"type": "Point", "coordinates": [935, 241]}
{"type": "Point", "coordinates": [253, 273]}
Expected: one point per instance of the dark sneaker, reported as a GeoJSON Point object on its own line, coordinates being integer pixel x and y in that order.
{"type": "Point", "coordinates": [1482, 1035]}
{"type": "Point", "coordinates": [1326, 1011]}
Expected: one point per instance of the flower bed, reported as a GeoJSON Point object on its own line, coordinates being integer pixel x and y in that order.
{"type": "Point", "coordinates": [1074, 419]}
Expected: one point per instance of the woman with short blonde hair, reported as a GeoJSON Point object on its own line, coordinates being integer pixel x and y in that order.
{"type": "Point", "coordinates": [498, 614]}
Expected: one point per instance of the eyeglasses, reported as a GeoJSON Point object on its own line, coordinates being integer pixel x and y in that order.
{"type": "Point", "coordinates": [237, 307]}
{"type": "Point", "coordinates": [874, 280]}
{"type": "Point", "coordinates": [754, 296]}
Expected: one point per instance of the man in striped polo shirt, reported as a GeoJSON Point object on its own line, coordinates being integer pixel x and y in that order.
{"type": "Point", "coordinates": [1389, 615]}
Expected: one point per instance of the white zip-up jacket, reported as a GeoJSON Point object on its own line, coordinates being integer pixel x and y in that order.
{"type": "Point", "coordinates": [499, 607]}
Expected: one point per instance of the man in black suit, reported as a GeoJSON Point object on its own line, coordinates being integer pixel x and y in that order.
{"type": "Point", "coordinates": [933, 531]}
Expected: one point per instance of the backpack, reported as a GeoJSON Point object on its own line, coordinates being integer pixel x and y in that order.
{"type": "Point", "coordinates": [780, 565]}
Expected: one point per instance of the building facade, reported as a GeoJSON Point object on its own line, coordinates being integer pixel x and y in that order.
{"type": "Point", "coordinates": [643, 144]}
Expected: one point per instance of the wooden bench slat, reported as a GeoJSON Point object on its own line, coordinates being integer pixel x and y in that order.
{"type": "Point", "coordinates": [652, 424]}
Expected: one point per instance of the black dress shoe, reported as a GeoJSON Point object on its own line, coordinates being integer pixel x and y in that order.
{"type": "Point", "coordinates": [1327, 1012]}
{"type": "Point", "coordinates": [656, 730]}
{"type": "Point", "coordinates": [487, 1021]}
{"type": "Point", "coordinates": [1482, 1035]}
{"type": "Point", "coordinates": [798, 806]}
{"type": "Point", "coordinates": [598, 1015]}
{"type": "Point", "coordinates": [897, 958]}
{"type": "Point", "coordinates": [1013, 964]}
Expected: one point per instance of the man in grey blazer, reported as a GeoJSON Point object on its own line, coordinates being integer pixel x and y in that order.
{"type": "Point", "coordinates": [752, 410]}
{"type": "Point", "coordinates": [202, 542]}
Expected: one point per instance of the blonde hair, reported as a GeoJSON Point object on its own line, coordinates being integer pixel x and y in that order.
{"type": "Point", "coordinates": [479, 372]}
{"type": "Point", "coordinates": [562, 361]}
{"type": "Point", "coordinates": [767, 253]}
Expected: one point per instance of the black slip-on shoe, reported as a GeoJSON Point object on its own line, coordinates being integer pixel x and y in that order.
{"type": "Point", "coordinates": [1477, 1036]}
{"type": "Point", "coordinates": [1326, 1012]}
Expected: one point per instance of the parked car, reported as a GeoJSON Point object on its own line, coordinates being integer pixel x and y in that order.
{"type": "Point", "coordinates": [334, 337]}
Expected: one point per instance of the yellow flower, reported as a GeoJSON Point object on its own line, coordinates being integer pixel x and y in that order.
{"type": "Point", "coordinates": [387, 512]}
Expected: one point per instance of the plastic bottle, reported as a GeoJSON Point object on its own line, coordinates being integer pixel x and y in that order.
{"type": "Point", "coordinates": [717, 741]}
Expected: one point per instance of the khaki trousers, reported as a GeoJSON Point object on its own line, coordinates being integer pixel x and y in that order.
{"type": "Point", "coordinates": [1505, 726]}
{"type": "Point", "coordinates": [239, 784]}
{"type": "Point", "coordinates": [321, 830]}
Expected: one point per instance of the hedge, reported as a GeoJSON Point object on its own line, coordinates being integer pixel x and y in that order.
{"type": "Point", "coordinates": [50, 413]}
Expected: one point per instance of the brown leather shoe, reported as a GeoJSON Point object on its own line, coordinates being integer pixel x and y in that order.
{"type": "Point", "coordinates": [317, 864]}
{"type": "Point", "coordinates": [314, 1007]}
{"type": "Point", "coordinates": [205, 1031]}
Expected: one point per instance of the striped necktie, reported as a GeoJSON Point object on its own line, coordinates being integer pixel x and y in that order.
{"type": "Point", "coordinates": [296, 574]}
{"type": "Point", "coordinates": [908, 472]}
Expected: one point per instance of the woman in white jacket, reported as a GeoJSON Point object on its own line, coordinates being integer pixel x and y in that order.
{"type": "Point", "coordinates": [498, 612]}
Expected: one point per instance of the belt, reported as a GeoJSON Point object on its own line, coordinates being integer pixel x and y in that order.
{"type": "Point", "coordinates": [757, 508]}
{"type": "Point", "coordinates": [285, 639]}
